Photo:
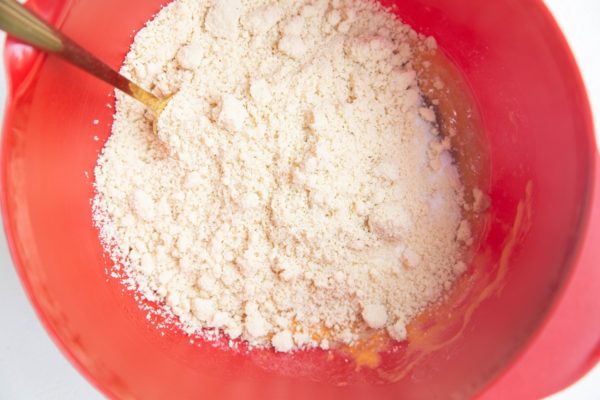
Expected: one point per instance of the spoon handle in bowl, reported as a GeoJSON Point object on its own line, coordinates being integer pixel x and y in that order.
{"type": "Point", "coordinates": [21, 23]}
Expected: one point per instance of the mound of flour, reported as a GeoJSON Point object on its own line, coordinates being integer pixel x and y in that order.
{"type": "Point", "coordinates": [298, 193]}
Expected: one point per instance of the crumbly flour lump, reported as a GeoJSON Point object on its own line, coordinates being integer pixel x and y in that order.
{"type": "Point", "coordinates": [298, 193]}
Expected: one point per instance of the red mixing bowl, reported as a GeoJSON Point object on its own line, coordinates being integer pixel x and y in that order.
{"type": "Point", "coordinates": [522, 323]}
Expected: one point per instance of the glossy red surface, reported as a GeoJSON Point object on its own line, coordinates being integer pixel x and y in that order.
{"type": "Point", "coordinates": [532, 271]}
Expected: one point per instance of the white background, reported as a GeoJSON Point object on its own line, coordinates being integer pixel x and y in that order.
{"type": "Point", "coordinates": [31, 367]}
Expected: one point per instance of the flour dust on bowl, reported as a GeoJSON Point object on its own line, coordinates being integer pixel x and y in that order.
{"type": "Point", "coordinates": [359, 215]}
{"type": "Point", "coordinates": [301, 192]}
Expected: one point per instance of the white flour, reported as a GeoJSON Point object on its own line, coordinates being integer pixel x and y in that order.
{"type": "Point", "coordinates": [297, 194]}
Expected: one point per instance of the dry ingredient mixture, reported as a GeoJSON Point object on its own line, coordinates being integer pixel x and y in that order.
{"type": "Point", "coordinates": [299, 193]}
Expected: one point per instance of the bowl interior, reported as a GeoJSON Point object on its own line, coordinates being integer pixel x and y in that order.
{"type": "Point", "coordinates": [535, 115]}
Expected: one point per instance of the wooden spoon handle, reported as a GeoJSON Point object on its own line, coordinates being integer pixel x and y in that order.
{"type": "Point", "coordinates": [28, 27]}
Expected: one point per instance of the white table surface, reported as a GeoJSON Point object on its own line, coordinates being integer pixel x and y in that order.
{"type": "Point", "coordinates": [31, 367]}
